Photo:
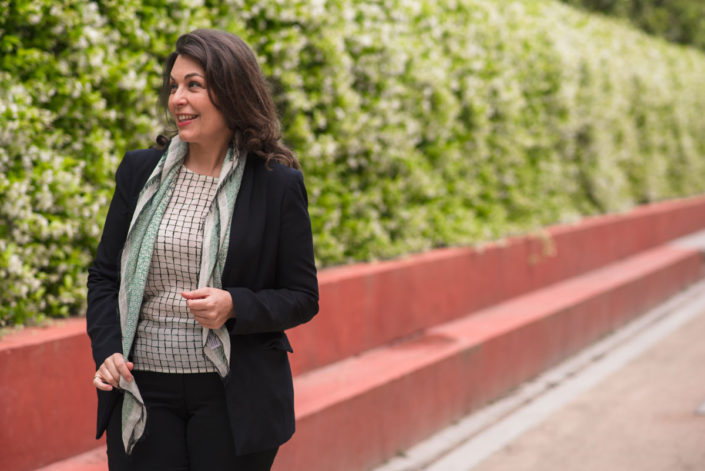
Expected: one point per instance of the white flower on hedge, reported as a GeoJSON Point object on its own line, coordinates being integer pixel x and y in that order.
{"type": "Point", "coordinates": [43, 198]}
{"type": "Point", "coordinates": [14, 265]}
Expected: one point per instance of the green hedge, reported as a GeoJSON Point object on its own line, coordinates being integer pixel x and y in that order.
{"type": "Point", "coordinates": [418, 124]}
{"type": "Point", "coordinates": [680, 21]}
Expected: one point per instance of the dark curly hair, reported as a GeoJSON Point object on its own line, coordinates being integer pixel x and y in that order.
{"type": "Point", "coordinates": [236, 88]}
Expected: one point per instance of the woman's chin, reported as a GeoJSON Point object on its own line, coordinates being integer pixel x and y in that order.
{"type": "Point", "coordinates": [185, 136]}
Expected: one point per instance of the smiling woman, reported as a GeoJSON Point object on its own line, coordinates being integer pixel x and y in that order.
{"type": "Point", "coordinates": [233, 81]}
{"type": "Point", "coordinates": [207, 256]}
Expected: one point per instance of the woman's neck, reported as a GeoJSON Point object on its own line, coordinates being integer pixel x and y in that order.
{"type": "Point", "coordinates": [206, 159]}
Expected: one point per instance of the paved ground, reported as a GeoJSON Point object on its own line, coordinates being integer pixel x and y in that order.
{"type": "Point", "coordinates": [641, 418]}
{"type": "Point", "coordinates": [94, 460]}
{"type": "Point", "coordinates": [638, 404]}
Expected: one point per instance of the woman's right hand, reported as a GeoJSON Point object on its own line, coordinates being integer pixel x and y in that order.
{"type": "Point", "coordinates": [108, 375]}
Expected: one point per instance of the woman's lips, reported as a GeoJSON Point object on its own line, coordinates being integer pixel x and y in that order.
{"type": "Point", "coordinates": [184, 123]}
{"type": "Point", "coordinates": [184, 119]}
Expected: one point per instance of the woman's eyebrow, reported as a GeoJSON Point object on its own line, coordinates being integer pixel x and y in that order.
{"type": "Point", "coordinates": [192, 74]}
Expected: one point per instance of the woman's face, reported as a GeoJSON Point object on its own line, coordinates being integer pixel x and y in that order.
{"type": "Point", "coordinates": [197, 118]}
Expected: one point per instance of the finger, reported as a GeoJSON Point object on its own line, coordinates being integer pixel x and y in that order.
{"type": "Point", "coordinates": [201, 304]}
{"type": "Point", "coordinates": [124, 371]}
{"type": "Point", "coordinates": [112, 375]}
{"type": "Point", "coordinates": [204, 316]}
{"type": "Point", "coordinates": [198, 311]}
{"type": "Point", "coordinates": [204, 321]}
{"type": "Point", "coordinates": [196, 294]}
{"type": "Point", "coordinates": [201, 319]}
{"type": "Point", "coordinates": [100, 384]}
{"type": "Point", "coordinates": [193, 303]}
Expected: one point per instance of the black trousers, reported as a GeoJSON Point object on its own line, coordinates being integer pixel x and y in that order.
{"type": "Point", "coordinates": [187, 428]}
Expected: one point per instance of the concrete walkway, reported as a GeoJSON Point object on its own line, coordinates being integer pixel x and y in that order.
{"type": "Point", "coordinates": [644, 417]}
{"type": "Point", "coordinates": [634, 402]}
{"type": "Point", "coordinates": [94, 460]}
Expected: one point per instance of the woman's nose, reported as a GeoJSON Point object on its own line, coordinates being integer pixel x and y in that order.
{"type": "Point", "coordinates": [178, 96]}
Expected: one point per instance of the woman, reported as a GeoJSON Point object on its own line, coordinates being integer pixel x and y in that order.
{"type": "Point", "coordinates": [206, 258]}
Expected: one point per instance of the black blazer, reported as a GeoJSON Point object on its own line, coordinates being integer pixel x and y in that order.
{"type": "Point", "coordinates": [269, 272]}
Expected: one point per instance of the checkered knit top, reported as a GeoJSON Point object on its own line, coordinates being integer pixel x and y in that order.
{"type": "Point", "coordinates": [168, 339]}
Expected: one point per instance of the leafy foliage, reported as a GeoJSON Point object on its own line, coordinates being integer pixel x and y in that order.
{"type": "Point", "coordinates": [419, 124]}
{"type": "Point", "coordinates": [680, 21]}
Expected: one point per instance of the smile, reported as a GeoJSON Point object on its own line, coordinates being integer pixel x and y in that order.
{"type": "Point", "coordinates": [185, 117]}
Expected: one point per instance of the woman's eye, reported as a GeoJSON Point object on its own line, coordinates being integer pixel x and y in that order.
{"type": "Point", "coordinates": [194, 84]}
{"type": "Point", "coordinates": [172, 87]}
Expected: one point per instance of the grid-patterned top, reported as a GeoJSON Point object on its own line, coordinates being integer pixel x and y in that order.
{"type": "Point", "coordinates": [168, 339]}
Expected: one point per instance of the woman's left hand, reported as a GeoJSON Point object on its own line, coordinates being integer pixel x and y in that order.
{"type": "Point", "coordinates": [211, 307]}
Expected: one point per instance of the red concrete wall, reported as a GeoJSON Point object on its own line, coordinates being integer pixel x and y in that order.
{"type": "Point", "coordinates": [368, 408]}
{"type": "Point", "coordinates": [367, 305]}
{"type": "Point", "coordinates": [47, 400]}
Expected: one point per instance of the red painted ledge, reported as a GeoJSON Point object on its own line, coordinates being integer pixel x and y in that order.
{"type": "Point", "coordinates": [362, 410]}
{"type": "Point", "coordinates": [364, 306]}
{"type": "Point", "coordinates": [47, 401]}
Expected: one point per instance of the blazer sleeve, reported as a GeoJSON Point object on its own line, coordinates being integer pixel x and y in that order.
{"type": "Point", "coordinates": [294, 299]}
{"type": "Point", "coordinates": [102, 317]}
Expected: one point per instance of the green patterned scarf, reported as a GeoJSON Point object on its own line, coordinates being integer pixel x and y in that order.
{"type": "Point", "coordinates": [137, 255]}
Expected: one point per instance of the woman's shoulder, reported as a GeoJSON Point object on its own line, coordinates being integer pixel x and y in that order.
{"type": "Point", "coordinates": [135, 169]}
{"type": "Point", "coordinates": [136, 162]}
{"type": "Point", "coordinates": [275, 171]}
